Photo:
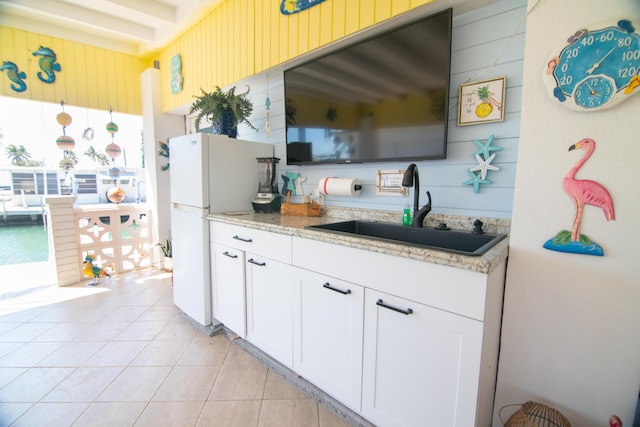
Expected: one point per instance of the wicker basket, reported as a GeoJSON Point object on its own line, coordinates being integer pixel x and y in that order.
{"type": "Point", "coordinates": [532, 414]}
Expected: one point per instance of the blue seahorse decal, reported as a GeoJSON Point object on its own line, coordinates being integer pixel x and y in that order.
{"type": "Point", "coordinates": [15, 75]}
{"type": "Point", "coordinates": [47, 64]}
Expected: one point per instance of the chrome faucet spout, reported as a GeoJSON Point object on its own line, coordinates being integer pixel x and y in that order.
{"type": "Point", "coordinates": [411, 178]}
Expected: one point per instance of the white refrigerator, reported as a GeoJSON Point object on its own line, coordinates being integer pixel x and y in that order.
{"type": "Point", "coordinates": [209, 173]}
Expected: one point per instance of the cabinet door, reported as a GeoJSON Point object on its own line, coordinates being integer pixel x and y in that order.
{"type": "Point", "coordinates": [328, 317]}
{"type": "Point", "coordinates": [421, 365]}
{"type": "Point", "coordinates": [270, 286]}
{"type": "Point", "coordinates": [273, 245]}
{"type": "Point", "coordinates": [227, 273]}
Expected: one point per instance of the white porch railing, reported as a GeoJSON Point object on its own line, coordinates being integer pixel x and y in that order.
{"type": "Point", "coordinates": [117, 236]}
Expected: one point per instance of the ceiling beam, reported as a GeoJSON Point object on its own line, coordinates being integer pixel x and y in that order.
{"type": "Point", "coordinates": [83, 18]}
{"type": "Point", "coordinates": [153, 9]}
{"type": "Point", "coordinates": [30, 24]}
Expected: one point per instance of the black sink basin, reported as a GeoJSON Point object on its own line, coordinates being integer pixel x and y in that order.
{"type": "Point", "coordinates": [456, 241]}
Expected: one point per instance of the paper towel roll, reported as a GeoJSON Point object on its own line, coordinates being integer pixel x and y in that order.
{"type": "Point", "coordinates": [349, 187]}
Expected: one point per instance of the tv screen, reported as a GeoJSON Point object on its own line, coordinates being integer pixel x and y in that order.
{"type": "Point", "coordinates": [381, 99]}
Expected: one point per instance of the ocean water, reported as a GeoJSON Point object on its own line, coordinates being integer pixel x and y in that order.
{"type": "Point", "coordinates": [23, 243]}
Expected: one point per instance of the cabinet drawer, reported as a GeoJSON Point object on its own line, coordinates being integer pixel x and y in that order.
{"type": "Point", "coordinates": [265, 243]}
{"type": "Point", "coordinates": [451, 289]}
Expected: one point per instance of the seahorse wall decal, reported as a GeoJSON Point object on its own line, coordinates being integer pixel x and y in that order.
{"type": "Point", "coordinates": [15, 75]}
{"type": "Point", "coordinates": [47, 64]}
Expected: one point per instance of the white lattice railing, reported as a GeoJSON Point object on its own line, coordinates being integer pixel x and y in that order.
{"type": "Point", "coordinates": [117, 236]}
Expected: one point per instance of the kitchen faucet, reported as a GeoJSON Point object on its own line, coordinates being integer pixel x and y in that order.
{"type": "Point", "coordinates": [412, 178]}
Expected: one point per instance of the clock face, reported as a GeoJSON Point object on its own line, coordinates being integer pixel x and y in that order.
{"type": "Point", "coordinates": [594, 92]}
{"type": "Point", "coordinates": [596, 69]}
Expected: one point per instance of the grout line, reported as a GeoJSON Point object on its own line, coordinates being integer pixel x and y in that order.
{"type": "Point", "coordinates": [99, 307]}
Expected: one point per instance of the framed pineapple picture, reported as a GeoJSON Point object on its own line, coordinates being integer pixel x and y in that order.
{"type": "Point", "coordinates": [481, 102]}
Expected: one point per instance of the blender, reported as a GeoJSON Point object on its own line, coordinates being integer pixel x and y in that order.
{"type": "Point", "coordinates": [268, 199]}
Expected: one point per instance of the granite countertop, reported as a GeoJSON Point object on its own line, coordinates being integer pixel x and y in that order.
{"type": "Point", "coordinates": [295, 226]}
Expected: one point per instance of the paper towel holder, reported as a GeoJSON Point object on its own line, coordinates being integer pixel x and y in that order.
{"type": "Point", "coordinates": [334, 186]}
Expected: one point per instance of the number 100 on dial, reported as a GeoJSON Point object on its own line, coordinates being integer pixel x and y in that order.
{"type": "Point", "coordinates": [596, 69]}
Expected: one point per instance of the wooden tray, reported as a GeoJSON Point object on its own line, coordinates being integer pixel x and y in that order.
{"type": "Point", "coordinates": [299, 209]}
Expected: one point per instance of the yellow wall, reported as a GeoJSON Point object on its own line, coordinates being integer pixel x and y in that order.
{"type": "Point", "coordinates": [90, 77]}
{"type": "Point", "coordinates": [240, 38]}
{"type": "Point", "coordinates": [237, 39]}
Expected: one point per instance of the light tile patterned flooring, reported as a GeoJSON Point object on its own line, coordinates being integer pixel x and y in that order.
{"type": "Point", "coordinates": [121, 354]}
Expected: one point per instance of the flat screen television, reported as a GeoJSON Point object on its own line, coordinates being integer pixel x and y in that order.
{"type": "Point", "coordinates": [384, 98]}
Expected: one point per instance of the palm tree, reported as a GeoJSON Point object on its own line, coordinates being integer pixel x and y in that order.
{"type": "Point", "coordinates": [18, 154]}
{"type": "Point", "coordinates": [96, 157]}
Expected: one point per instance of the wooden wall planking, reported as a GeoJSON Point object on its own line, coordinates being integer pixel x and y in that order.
{"type": "Point", "coordinates": [240, 42]}
{"type": "Point", "coordinates": [90, 76]}
{"type": "Point", "coordinates": [247, 37]}
{"type": "Point", "coordinates": [481, 38]}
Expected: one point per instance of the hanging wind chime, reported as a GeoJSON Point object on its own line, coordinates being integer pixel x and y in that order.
{"type": "Point", "coordinates": [64, 141]}
{"type": "Point", "coordinates": [115, 194]}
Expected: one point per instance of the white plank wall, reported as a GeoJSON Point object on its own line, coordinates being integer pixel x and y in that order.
{"type": "Point", "coordinates": [487, 43]}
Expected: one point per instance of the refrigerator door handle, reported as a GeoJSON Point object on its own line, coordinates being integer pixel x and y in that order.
{"type": "Point", "coordinates": [188, 208]}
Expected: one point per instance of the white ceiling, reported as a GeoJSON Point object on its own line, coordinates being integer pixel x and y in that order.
{"type": "Point", "coordinates": [135, 27]}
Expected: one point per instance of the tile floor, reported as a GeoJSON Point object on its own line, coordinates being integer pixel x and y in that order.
{"type": "Point", "coordinates": [121, 354]}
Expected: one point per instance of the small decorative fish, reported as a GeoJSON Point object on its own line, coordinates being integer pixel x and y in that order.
{"type": "Point", "coordinates": [47, 64]}
{"type": "Point", "coordinates": [15, 75]}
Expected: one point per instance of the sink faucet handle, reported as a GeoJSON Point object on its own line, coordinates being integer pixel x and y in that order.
{"type": "Point", "coordinates": [428, 205]}
{"type": "Point", "coordinates": [477, 227]}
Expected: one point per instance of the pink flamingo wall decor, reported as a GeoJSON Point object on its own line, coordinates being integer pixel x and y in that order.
{"type": "Point", "coordinates": [582, 192]}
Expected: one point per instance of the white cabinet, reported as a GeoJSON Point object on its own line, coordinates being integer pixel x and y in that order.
{"type": "Point", "coordinates": [435, 365]}
{"type": "Point", "coordinates": [400, 341]}
{"type": "Point", "coordinates": [328, 335]}
{"type": "Point", "coordinates": [254, 295]}
{"type": "Point", "coordinates": [227, 271]}
{"type": "Point", "coordinates": [270, 287]}
{"type": "Point", "coordinates": [421, 364]}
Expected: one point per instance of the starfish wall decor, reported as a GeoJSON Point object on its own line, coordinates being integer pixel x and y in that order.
{"type": "Point", "coordinates": [484, 157]}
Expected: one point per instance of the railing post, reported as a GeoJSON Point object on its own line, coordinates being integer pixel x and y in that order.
{"type": "Point", "coordinates": [63, 244]}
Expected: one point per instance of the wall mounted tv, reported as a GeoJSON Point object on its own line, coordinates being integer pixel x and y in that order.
{"type": "Point", "coordinates": [384, 98]}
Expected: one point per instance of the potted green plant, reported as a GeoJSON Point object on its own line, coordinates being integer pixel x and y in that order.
{"type": "Point", "coordinates": [167, 251]}
{"type": "Point", "coordinates": [225, 110]}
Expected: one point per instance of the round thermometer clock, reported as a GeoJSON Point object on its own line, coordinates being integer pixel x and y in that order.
{"type": "Point", "coordinates": [596, 69]}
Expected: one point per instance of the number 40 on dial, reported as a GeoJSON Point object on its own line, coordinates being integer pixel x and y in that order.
{"type": "Point", "coordinates": [596, 69]}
